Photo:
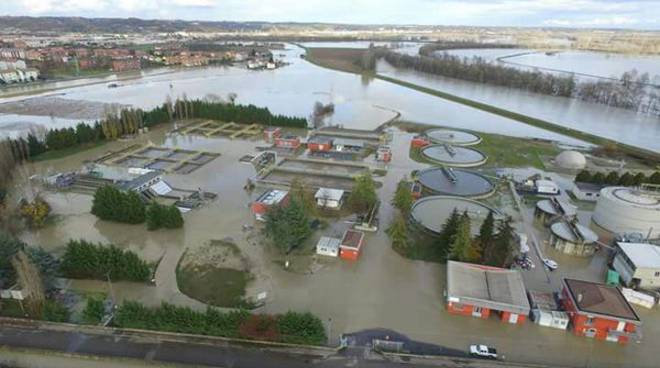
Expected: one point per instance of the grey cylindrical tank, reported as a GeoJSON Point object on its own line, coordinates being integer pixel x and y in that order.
{"type": "Point", "coordinates": [626, 210]}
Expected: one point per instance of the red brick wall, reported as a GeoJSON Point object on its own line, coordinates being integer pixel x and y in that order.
{"type": "Point", "coordinates": [504, 316]}
{"type": "Point", "coordinates": [466, 310]}
{"type": "Point", "coordinates": [349, 254]}
{"type": "Point", "coordinates": [601, 325]}
{"type": "Point", "coordinates": [319, 147]}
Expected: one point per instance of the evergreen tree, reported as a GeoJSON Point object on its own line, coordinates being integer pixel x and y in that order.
{"type": "Point", "coordinates": [486, 234]}
{"type": "Point", "coordinates": [363, 196]}
{"type": "Point", "coordinates": [501, 248]}
{"type": "Point", "coordinates": [303, 195]}
{"type": "Point", "coordinates": [403, 199]}
{"type": "Point", "coordinates": [114, 205]}
{"type": "Point", "coordinates": [655, 178]}
{"type": "Point", "coordinates": [626, 180]}
{"type": "Point", "coordinates": [398, 232]}
{"type": "Point", "coordinates": [461, 241]}
{"type": "Point", "coordinates": [612, 178]}
{"type": "Point", "coordinates": [35, 146]}
{"type": "Point", "coordinates": [639, 179]}
{"type": "Point", "coordinates": [447, 233]}
{"type": "Point", "coordinates": [288, 227]}
{"type": "Point", "coordinates": [584, 176]}
{"type": "Point", "coordinates": [598, 178]}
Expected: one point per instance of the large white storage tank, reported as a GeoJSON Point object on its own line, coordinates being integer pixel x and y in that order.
{"type": "Point", "coordinates": [628, 210]}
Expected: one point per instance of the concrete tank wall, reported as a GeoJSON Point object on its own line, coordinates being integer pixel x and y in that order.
{"type": "Point", "coordinates": [620, 216]}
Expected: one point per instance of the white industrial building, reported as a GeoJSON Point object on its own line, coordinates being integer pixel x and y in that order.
{"type": "Point", "coordinates": [622, 210]}
{"type": "Point", "coordinates": [638, 265]}
{"type": "Point", "coordinates": [544, 186]}
{"type": "Point", "coordinates": [328, 246]}
{"type": "Point", "coordinates": [329, 198]}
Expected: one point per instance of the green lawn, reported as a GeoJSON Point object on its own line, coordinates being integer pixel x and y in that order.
{"type": "Point", "coordinates": [212, 283]}
{"type": "Point", "coordinates": [505, 151]}
{"type": "Point", "coordinates": [218, 286]}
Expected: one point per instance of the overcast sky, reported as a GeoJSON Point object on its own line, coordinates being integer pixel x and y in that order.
{"type": "Point", "coordinates": [643, 14]}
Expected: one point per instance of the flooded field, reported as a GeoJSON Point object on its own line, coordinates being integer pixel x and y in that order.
{"type": "Point", "coordinates": [353, 295]}
{"type": "Point", "coordinates": [360, 102]}
{"type": "Point", "coordinates": [609, 122]}
{"type": "Point", "coordinates": [583, 62]}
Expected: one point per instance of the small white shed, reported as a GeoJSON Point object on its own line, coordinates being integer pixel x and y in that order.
{"type": "Point", "coordinates": [328, 246]}
{"type": "Point", "coordinates": [329, 198]}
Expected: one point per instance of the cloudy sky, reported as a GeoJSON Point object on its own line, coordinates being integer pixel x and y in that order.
{"type": "Point", "coordinates": [643, 14]}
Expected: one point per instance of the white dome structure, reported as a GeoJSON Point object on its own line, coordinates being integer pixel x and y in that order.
{"type": "Point", "coordinates": [573, 160]}
{"type": "Point", "coordinates": [624, 210]}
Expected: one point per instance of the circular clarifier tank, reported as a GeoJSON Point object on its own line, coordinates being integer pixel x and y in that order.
{"type": "Point", "coordinates": [458, 156]}
{"type": "Point", "coordinates": [432, 212]}
{"type": "Point", "coordinates": [452, 136]}
{"type": "Point", "coordinates": [456, 182]}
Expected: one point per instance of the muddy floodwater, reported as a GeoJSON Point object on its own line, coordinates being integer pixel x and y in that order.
{"type": "Point", "coordinates": [360, 102]}
{"type": "Point", "coordinates": [620, 125]}
{"type": "Point", "coordinates": [382, 289]}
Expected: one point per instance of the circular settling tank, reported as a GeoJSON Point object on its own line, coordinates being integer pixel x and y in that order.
{"type": "Point", "coordinates": [432, 212]}
{"type": "Point", "coordinates": [626, 210]}
{"type": "Point", "coordinates": [457, 182]}
{"type": "Point", "coordinates": [454, 155]}
{"type": "Point", "coordinates": [452, 136]}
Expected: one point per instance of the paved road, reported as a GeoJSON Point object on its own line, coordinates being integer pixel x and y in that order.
{"type": "Point", "coordinates": [160, 350]}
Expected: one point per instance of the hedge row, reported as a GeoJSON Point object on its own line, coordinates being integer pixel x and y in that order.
{"type": "Point", "coordinates": [86, 260]}
{"type": "Point", "coordinates": [291, 327]}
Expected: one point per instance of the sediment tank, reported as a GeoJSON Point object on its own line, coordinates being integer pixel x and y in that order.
{"type": "Point", "coordinates": [628, 210]}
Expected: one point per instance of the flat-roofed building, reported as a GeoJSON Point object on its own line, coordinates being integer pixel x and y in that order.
{"type": "Point", "coordinates": [638, 265]}
{"type": "Point", "coordinates": [478, 290]}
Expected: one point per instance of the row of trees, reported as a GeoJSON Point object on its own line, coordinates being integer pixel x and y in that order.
{"type": "Point", "coordinates": [242, 114]}
{"type": "Point", "coordinates": [632, 90]}
{"type": "Point", "coordinates": [627, 179]}
{"type": "Point", "coordinates": [291, 327]}
{"type": "Point", "coordinates": [481, 71]}
{"type": "Point", "coordinates": [86, 260]}
{"type": "Point", "coordinates": [492, 246]}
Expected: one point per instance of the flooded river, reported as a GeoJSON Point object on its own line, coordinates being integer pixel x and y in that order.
{"type": "Point", "coordinates": [617, 124]}
{"type": "Point", "coordinates": [585, 62]}
{"type": "Point", "coordinates": [359, 102]}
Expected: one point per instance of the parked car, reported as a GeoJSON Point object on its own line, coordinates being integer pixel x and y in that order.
{"type": "Point", "coordinates": [483, 351]}
{"type": "Point", "coordinates": [552, 265]}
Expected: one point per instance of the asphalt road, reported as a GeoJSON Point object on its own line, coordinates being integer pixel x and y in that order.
{"type": "Point", "coordinates": [150, 350]}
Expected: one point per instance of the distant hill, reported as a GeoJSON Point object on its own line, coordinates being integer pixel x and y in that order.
{"type": "Point", "coordinates": [136, 25]}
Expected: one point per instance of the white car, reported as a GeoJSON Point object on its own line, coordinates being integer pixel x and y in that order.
{"type": "Point", "coordinates": [552, 265]}
{"type": "Point", "coordinates": [483, 351]}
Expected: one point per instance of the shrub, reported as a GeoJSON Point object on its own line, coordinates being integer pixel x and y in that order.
{"type": "Point", "coordinates": [35, 212]}
{"type": "Point", "coordinates": [259, 327]}
{"type": "Point", "coordinates": [85, 260]}
{"type": "Point", "coordinates": [94, 311]}
{"type": "Point", "coordinates": [301, 328]}
{"type": "Point", "coordinates": [55, 311]}
{"type": "Point", "coordinates": [114, 205]}
{"type": "Point", "coordinates": [160, 216]}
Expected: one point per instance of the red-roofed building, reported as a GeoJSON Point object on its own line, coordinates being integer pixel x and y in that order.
{"type": "Point", "coordinates": [351, 245]}
{"type": "Point", "coordinates": [121, 65]}
{"type": "Point", "coordinates": [288, 141]}
{"type": "Point", "coordinates": [599, 311]}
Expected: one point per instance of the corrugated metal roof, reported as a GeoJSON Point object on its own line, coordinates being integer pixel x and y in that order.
{"type": "Point", "coordinates": [643, 255]}
{"type": "Point", "coordinates": [490, 287]}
